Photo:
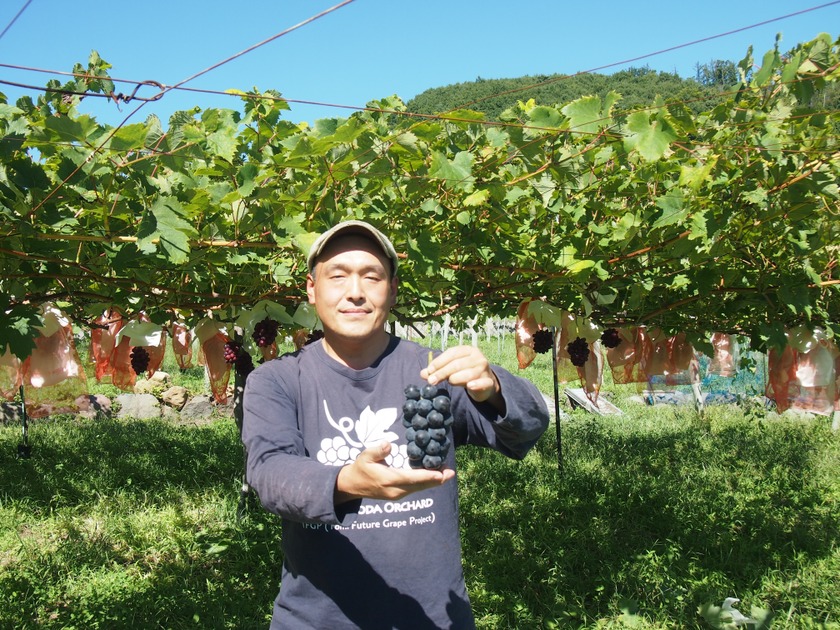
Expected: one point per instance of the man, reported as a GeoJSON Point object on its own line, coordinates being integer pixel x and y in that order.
{"type": "Point", "coordinates": [368, 541]}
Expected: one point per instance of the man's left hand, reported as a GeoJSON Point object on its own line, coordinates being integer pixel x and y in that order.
{"type": "Point", "coordinates": [466, 366]}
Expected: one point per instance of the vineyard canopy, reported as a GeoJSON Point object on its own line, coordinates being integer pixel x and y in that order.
{"type": "Point", "coordinates": [724, 221]}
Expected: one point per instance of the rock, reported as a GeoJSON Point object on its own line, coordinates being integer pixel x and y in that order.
{"type": "Point", "coordinates": [549, 402]}
{"type": "Point", "coordinates": [176, 396]}
{"type": "Point", "coordinates": [226, 410]}
{"type": "Point", "coordinates": [170, 414]}
{"type": "Point", "coordinates": [94, 406]}
{"type": "Point", "coordinates": [161, 378]}
{"type": "Point", "coordinates": [148, 385]}
{"type": "Point", "coordinates": [197, 408]}
{"type": "Point", "coordinates": [138, 406]}
{"type": "Point", "coordinates": [670, 398]}
{"type": "Point", "coordinates": [144, 386]}
{"type": "Point", "coordinates": [798, 414]}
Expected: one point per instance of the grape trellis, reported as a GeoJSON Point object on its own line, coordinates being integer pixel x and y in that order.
{"type": "Point", "coordinates": [721, 221]}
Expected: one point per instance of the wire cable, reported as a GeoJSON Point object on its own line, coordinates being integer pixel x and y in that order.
{"type": "Point", "coordinates": [14, 19]}
{"type": "Point", "coordinates": [266, 41]}
{"type": "Point", "coordinates": [190, 78]}
{"type": "Point", "coordinates": [180, 84]}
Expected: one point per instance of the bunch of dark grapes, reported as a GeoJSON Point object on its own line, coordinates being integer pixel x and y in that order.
{"type": "Point", "coordinates": [265, 332]}
{"type": "Point", "coordinates": [427, 418]}
{"type": "Point", "coordinates": [139, 359]}
{"type": "Point", "coordinates": [315, 335]}
{"type": "Point", "coordinates": [578, 351]}
{"type": "Point", "coordinates": [232, 350]}
{"type": "Point", "coordinates": [236, 355]}
{"type": "Point", "coordinates": [610, 338]}
{"type": "Point", "coordinates": [243, 364]}
{"type": "Point", "coordinates": [543, 340]}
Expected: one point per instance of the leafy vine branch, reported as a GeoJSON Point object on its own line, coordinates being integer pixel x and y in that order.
{"type": "Point", "coordinates": [115, 240]}
{"type": "Point", "coordinates": [652, 214]}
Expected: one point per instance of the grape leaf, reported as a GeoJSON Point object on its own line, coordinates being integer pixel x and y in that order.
{"type": "Point", "coordinates": [19, 329]}
{"type": "Point", "coordinates": [457, 173]}
{"type": "Point", "coordinates": [651, 138]}
{"type": "Point", "coordinates": [164, 225]}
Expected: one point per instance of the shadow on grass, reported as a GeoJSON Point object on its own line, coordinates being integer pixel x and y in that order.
{"type": "Point", "coordinates": [73, 461]}
{"type": "Point", "coordinates": [229, 582]}
{"type": "Point", "coordinates": [197, 567]}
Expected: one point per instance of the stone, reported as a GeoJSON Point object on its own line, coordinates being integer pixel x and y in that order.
{"type": "Point", "coordinates": [198, 407]}
{"type": "Point", "coordinates": [144, 386]}
{"type": "Point", "coordinates": [138, 406]}
{"type": "Point", "coordinates": [226, 410]}
{"type": "Point", "coordinates": [149, 385]}
{"type": "Point", "coordinates": [161, 378]}
{"type": "Point", "coordinates": [94, 406]}
{"type": "Point", "coordinates": [176, 396]}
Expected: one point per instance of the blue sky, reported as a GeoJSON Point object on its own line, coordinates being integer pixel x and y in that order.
{"type": "Point", "coordinates": [371, 49]}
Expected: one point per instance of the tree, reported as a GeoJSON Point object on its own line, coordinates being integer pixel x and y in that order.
{"type": "Point", "coordinates": [718, 73]}
{"type": "Point", "coordinates": [638, 87]}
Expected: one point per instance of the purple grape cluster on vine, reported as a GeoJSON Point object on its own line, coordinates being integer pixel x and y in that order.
{"type": "Point", "coordinates": [140, 359]}
{"type": "Point", "coordinates": [578, 351]}
{"type": "Point", "coordinates": [610, 338]}
{"type": "Point", "coordinates": [426, 418]}
{"type": "Point", "coordinates": [236, 355]}
{"type": "Point", "coordinates": [232, 350]}
{"type": "Point", "coordinates": [265, 332]}
{"type": "Point", "coordinates": [543, 340]}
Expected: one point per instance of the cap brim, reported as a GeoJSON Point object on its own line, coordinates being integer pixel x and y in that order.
{"type": "Point", "coordinates": [353, 227]}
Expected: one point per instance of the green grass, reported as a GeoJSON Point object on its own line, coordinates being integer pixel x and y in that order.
{"type": "Point", "coordinates": [654, 514]}
{"type": "Point", "coordinates": [658, 516]}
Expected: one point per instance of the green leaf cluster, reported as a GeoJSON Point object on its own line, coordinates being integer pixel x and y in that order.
{"type": "Point", "coordinates": [724, 219]}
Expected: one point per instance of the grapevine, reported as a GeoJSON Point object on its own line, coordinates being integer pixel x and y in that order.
{"type": "Point", "coordinates": [610, 338]}
{"type": "Point", "coordinates": [265, 332]}
{"type": "Point", "coordinates": [578, 351]}
{"type": "Point", "coordinates": [694, 233]}
{"type": "Point", "coordinates": [543, 340]}
{"type": "Point", "coordinates": [139, 359]}
{"type": "Point", "coordinates": [244, 364]}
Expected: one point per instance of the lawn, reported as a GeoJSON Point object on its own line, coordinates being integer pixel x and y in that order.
{"type": "Point", "coordinates": [654, 517]}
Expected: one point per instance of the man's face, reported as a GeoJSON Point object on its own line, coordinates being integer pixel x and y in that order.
{"type": "Point", "coordinates": [351, 288]}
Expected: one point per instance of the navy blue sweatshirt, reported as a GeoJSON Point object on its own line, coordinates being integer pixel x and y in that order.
{"type": "Point", "coordinates": [368, 563]}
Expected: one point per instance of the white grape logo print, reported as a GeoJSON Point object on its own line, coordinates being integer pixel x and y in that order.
{"type": "Point", "coordinates": [356, 435]}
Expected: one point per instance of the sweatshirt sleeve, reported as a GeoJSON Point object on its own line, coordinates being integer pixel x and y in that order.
{"type": "Point", "coordinates": [513, 434]}
{"type": "Point", "coordinates": [286, 480]}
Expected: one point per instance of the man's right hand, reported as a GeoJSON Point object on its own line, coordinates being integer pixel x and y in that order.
{"type": "Point", "coordinates": [370, 477]}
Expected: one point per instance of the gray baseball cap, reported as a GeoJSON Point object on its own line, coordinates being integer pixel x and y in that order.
{"type": "Point", "coordinates": [353, 227]}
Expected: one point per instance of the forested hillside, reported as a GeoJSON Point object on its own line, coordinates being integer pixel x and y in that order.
{"type": "Point", "coordinates": [638, 87]}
